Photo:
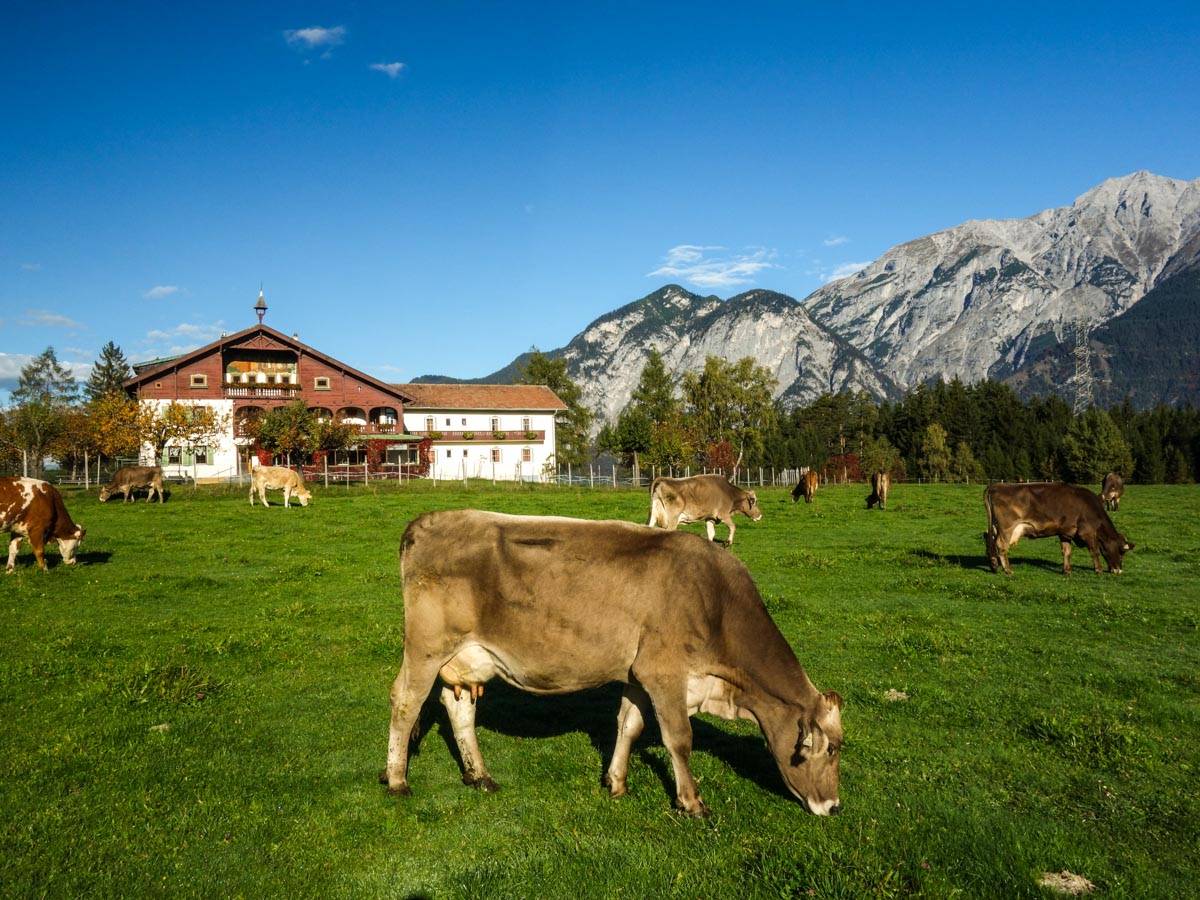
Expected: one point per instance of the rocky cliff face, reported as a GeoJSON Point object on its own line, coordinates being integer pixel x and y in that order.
{"type": "Point", "coordinates": [607, 358]}
{"type": "Point", "coordinates": [978, 299]}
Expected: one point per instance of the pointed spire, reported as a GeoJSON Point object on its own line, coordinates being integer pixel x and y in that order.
{"type": "Point", "coordinates": [261, 306]}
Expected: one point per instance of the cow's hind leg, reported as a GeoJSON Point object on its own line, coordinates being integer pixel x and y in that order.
{"type": "Point", "coordinates": [630, 722]}
{"type": "Point", "coordinates": [409, 691]}
{"type": "Point", "coordinates": [729, 523]}
{"type": "Point", "coordinates": [460, 705]}
{"type": "Point", "coordinates": [14, 545]}
{"type": "Point", "coordinates": [1066, 552]}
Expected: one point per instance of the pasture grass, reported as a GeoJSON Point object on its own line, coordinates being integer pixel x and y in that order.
{"type": "Point", "coordinates": [200, 709]}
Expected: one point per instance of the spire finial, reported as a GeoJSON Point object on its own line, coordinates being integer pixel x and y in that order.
{"type": "Point", "coordinates": [261, 306]}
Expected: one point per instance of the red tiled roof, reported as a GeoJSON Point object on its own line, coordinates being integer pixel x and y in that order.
{"type": "Point", "coordinates": [480, 396]}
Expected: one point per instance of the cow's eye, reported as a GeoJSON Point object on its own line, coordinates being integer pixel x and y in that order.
{"type": "Point", "coordinates": [832, 750]}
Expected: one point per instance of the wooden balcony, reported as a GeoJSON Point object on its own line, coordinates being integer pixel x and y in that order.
{"type": "Point", "coordinates": [261, 391]}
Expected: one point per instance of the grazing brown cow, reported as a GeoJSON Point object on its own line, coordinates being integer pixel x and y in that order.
{"type": "Point", "coordinates": [1112, 490]}
{"type": "Point", "coordinates": [881, 483]}
{"type": "Point", "coordinates": [1073, 514]}
{"type": "Point", "coordinates": [555, 605]}
{"type": "Point", "coordinates": [34, 509]}
{"type": "Point", "coordinates": [128, 479]}
{"type": "Point", "coordinates": [278, 478]}
{"type": "Point", "coordinates": [807, 485]}
{"type": "Point", "coordinates": [701, 498]}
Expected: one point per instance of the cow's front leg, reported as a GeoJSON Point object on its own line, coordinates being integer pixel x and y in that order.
{"type": "Point", "coordinates": [630, 722]}
{"type": "Point", "coordinates": [1066, 552]}
{"type": "Point", "coordinates": [670, 708]}
{"type": "Point", "coordinates": [729, 524]}
{"type": "Point", "coordinates": [460, 705]}
{"type": "Point", "coordinates": [711, 529]}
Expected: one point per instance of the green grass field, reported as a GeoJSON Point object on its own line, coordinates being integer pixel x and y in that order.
{"type": "Point", "coordinates": [200, 708]}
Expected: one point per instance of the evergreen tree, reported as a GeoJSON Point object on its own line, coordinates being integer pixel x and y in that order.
{"type": "Point", "coordinates": [572, 428]}
{"type": "Point", "coordinates": [45, 393]}
{"type": "Point", "coordinates": [110, 371]}
{"type": "Point", "coordinates": [935, 455]}
{"type": "Point", "coordinates": [1092, 446]}
{"type": "Point", "coordinates": [655, 391]}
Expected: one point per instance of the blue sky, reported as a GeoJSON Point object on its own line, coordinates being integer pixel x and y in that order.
{"type": "Point", "coordinates": [437, 187]}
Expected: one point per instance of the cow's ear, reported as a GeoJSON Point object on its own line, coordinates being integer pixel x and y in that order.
{"type": "Point", "coordinates": [804, 742]}
{"type": "Point", "coordinates": [1128, 546]}
{"type": "Point", "coordinates": [833, 698]}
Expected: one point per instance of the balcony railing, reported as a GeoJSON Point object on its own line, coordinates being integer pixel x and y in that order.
{"type": "Point", "coordinates": [262, 391]}
{"type": "Point", "coordinates": [514, 436]}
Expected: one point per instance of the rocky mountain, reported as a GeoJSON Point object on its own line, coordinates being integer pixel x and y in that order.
{"type": "Point", "coordinates": [982, 298]}
{"type": "Point", "coordinates": [607, 358]}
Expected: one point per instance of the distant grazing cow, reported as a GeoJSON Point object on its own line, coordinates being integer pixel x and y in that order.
{"type": "Point", "coordinates": [701, 498]}
{"type": "Point", "coordinates": [1112, 490]}
{"type": "Point", "coordinates": [128, 479]}
{"type": "Point", "coordinates": [807, 486]}
{"type": "Point", "coordinates": [556, 605]}
{"type": "Point", "coordinates": [278, 478]}
{"type": "Point", "coordinates": [1072, 514]}
{"type": "Point", "coordinates": [34, 510]}
{"type": "Point", "coordinates": [880, 485]}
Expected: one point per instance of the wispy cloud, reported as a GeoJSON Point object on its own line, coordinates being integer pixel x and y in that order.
{"type": "Point", "coordinates": [40, 318]}
{"type": "Point", "coordinates": [713, 267]}
{"type": "Point", "coordinates": [162, 290]}
{"type": "Point", "coordinates": [391, 70]}
{"type": "Point", "coordinates": [836, 241]}
{"type": "Point", "coordinates": [315, 38]}
{"type": "Point", "coordinates": [31, 267]}
{"type": "Point", "coordinates": [846, 269]}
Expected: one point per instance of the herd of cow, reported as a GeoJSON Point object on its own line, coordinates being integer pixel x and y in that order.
{"type": "Point", "coordinates": [555, 605]}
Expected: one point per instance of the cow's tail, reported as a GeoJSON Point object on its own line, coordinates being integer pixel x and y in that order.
{"type": "Point", "coordinates": [656, 504]}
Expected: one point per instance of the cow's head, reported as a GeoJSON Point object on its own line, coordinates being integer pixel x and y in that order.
{"type": "Point", "coordinates": [1114, 550]}
{"type": "Point", "coordinates": [105, 493]}
{"type": "Point", "coordinates": [302, 494]}
{"type": "Point", "coordinates": [67, 545]}
{"type": "Point", "coordinates": [811, 766]}
{"type": "Point", "coordinates": [750, 506]}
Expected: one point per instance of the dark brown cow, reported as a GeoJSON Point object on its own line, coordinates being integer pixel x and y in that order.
{"type": "Point", "coordinates": [34, 510]}
{"type": "Point", "coordinates": [701, 498]}
{"type": "Point", "coordinates": [128, 479]}
{"type": "Point", "coordinates": [881, 483]}
{"type": "Point", "coordinates": [556, 605]}
{"type": "Point", "coordinates": [1072, 514]}
{"type": "Point", "coordinates": [1112, 490]}
{"type": "Point", "coordinates": [806, 486]}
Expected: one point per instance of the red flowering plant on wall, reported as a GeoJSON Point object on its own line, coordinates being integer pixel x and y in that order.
{"type": "Point", "coordinates": [843, 468]}
{"type": "Point", "coordinates": [265, 456]}
{"type": "Point", "coordinates": [376, 455]}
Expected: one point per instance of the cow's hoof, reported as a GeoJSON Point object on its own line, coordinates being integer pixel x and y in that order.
{"type": "Point", "coordinates": [616, 788]}
{"type": "Point", "coordinates": [486, 785]}
{"type": "Point", "coordinates": [699, 812]}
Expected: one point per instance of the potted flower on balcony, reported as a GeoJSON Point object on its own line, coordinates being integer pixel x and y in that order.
{"type": "Point", "coordinates": [468, 435]}
{"type": "Point", "coordinates": [531, 435]}
{"type": "Point", "coordinates": [499, 435]}
{"type": "Point", "coordinates": [435, 435]}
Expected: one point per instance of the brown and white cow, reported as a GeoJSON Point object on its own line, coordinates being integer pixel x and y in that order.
{"type": "Point", "coordinates": [1112, 490]}
{"type": "Point", "coordinates": [1072, 514]}
{"type": "Point", "coordinates": [278, 478]}
{"type": "Point", "coordinates": [556, 605]}
{"type": "Point", "coordinates": [34, 510]}
{"type": "Point", "coordinates": [701, 498]}
{"type": "Point", "coordinates": [881, 483]}
{"type": "Point", "coordinates": [806, 486]}
{"type": "Point", "coordinates": [128, 479]}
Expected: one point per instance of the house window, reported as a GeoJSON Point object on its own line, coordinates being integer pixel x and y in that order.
{"type": "Point", "coordinates": [322, 383]}
{"type": "Point", "coordinates": [202, 456]}
{"type": "Point", "coordinates": [174, 456]}
{"type": "Point", "coordinates": [448, 452]}
{"type": "Point", "coordinates": [495, 454]}
{"type": "Point", "coordinates": [527, 424]}
{"type": "Point", "coordinates": [495, 423]}
{"type": "Point", "coordinates": [158, 385]}
{"type": "Point", "coordinates": [429, 423]}
{"type": "Point", "coordinates": [464, 421]}
{"type": "Point", "coordinates": [526, 455]}
{"type": "Point", "coordinates": [199, 381]}
{"type": "Point", "coordinates": [447, 421]}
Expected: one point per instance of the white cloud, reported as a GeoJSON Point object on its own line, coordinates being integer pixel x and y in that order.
{"type": "Point", "coordinates": [391, 70]}
{"type": "Point", "coordinates": [162, 290]}
{"type": "Point", "coordinates": [711, 267]}
{"type": "Point", "coordinates": [31, 267]}
{"type": "Point", "coordinates": [847, 269]}
{"type": "Point", "coordinates": [312, 38]}
{"type": "Point", "coordinates": [836, 241]}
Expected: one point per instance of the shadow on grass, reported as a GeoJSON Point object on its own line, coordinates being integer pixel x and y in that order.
{"type": "Point", "coordinates": [91, 557]}
{"type": "Point", "coordinates": [508, 711]}
{"type": "Point", "coordinates": [980, 563]}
